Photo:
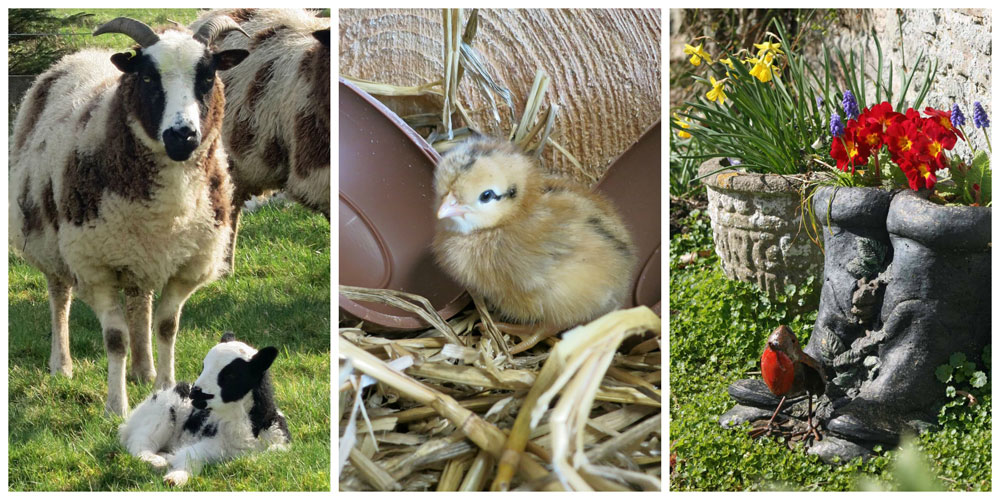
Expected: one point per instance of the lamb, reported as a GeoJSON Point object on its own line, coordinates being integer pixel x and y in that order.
{"type": "Point", "coordinates": [277, 127]}
{"type": "Point", "coordinates": [119, 181]}
{"type": "Point", "coordinates": [229, 411]}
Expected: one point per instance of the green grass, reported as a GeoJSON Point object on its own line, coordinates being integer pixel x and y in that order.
{"type": "Point", "coordinates": [717, 330]}
{"type": "Point", "coordinates": [59, 438]}
{"type": "Point", "coordinates": [152, 17]}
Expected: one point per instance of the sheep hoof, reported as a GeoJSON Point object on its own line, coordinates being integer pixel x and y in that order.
{"type": "Point", "coordinates": [157, 462]}
{"type": "Point", "coordinates": [115, 408]}
{"type": "Point", "coordinates": [164, 382]}
{"type": "Point", "coordinates": [142, 375]}
{"type": "Point", "coordinates": [61, 369]}
{"type": "Point", "coordinates": [176, 478]}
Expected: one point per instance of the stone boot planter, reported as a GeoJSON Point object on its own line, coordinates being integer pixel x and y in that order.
{"type": "Point", "coordinates": [857, 252]}
{"type": "Point", "coordinates": [937, 302]}
{"type": "Point", "coordinates": [756, 227]}
{"type": "Point", "coordinates": [906, 284]}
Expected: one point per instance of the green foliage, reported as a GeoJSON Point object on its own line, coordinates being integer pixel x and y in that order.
{"type": "Point", "coordinates": [685, 158]}
{"type": "Point", "coordinates": [770, 126]}
{"type": "Point", "coordinates": [717, 332]}
{"type": "Point", "coordinates": [852, 70]}
{"type": "Point", "coordinates": [964, 177]}
{"type": "Point", "coordinates": [59, 437]}
{"type": "Point", "coordinates": [33, 46]}
{"type": "Point", "coordinates": [31, 49]}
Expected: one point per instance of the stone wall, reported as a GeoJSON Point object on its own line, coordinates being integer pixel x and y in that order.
{"type": "Point", "coordinates": [960, 39]}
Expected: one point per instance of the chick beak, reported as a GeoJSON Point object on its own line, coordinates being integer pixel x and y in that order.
{"type": "Point", "coordinates": [451, 208]}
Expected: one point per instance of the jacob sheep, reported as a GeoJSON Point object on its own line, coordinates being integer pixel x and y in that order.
{"type": "Point", "coordinates": [277, 127]}
{"type": "Point", "coordinates": [119, 181]}
{"type": "Point", "coordinates": [229, 411]}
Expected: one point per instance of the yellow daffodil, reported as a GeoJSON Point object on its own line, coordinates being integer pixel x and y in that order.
{"type": "Point", "coordinates": [697, 54]}
{"type": "Point", "coordinates": [717, 93]}
{"type": "Point", "coordinates": [683, 124]}
{"type": "Point", "coordinates": [763, 69]}
{"type": "Point", "coordinates": [728, 62]}
{"type": "Point", "coordinates": [768, 47]}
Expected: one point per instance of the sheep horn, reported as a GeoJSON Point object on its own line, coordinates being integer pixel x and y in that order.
{"type": "Point", "coordinates": [136, 30]}
{"type": "Point", "coordinates": [217, 26]}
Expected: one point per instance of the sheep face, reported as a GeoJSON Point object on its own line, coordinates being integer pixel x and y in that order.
{"type": "Point", "coordinates": [174, 81]}
{"type": "Point", "coordinates": [231, 371]}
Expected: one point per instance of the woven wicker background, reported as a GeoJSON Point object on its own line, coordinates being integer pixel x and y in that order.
{"type": "Point", "coordinates": [604, 66]}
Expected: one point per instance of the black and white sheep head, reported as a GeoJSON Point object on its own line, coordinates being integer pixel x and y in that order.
{"type": "Point", "coordinates": [174, 78]}
{"type": "Point", "coordinates": [230, 372]}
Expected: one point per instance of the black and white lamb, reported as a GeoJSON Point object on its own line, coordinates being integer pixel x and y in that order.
{"type": "Point", "coordinates": [277, 127]}
{"type": "Point", "coordinates": [119, 181]}
{"type": "Point", "coordinates": [229, 411]}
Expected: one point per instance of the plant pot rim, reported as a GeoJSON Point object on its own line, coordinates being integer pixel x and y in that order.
{"type": "Point", "coordinates": [956, 227]}
{"type": "Point", "coordinates": [718, 176]}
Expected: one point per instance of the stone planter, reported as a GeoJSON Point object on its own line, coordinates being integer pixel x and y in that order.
{"type": "Point", "coordinates": [857, 252]}
{"type": "Point", "coordinates": [937, 302]}
{"type": "Point", "coordinates": [906, 283]}
{"type": "Point", "coordinates": [756, 227]}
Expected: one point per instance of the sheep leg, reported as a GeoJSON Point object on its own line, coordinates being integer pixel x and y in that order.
{"type": "Point", "coordinates": [239, 198]}
{"type": "Point", "coordinates": [138, 312]}
{"type": "Point", "coordinates": [188, 461]}
{"type": "Point", "coordinates": [104, 301]}
{"type": "Point", "coordinates": [167, 317]}
{"type": "Point", "coordinates": [60, 299]}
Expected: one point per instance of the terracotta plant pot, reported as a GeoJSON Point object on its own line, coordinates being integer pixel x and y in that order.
{"type": "Point", "coordinates": [387, 213]}
{"type": "Point", "coordinates": [632, 182]}
{"type": "Point", "coordinates": [756, 227]}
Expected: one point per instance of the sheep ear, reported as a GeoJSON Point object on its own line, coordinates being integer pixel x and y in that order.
{"type": "Point", "coordinates": [126, 62]}
{"type": "Point", "coordinates": [323, 36]}
{"type": "Point", "coordinates": [261, 361]}
{"type": "Point", "coordinates": [229, 58]}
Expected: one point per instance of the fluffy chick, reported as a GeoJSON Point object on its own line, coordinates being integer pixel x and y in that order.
{"type": "Point", "coordinates": [540, 250]}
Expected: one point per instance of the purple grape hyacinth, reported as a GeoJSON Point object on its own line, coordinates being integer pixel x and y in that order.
{"type": "Point", "coordinates": [957, 118]}
{"type": "Point", "coordinates": [979, 116]}
{"type": "Point", "coordinates": [850, 105]}
{"type": "Point", "coordinates": [836, 126]}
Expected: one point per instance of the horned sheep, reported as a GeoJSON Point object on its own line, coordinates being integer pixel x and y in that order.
{"type": "Point", "coordinates": [277, 127]}
{"type": "Point", "coordinates": [119, 181]}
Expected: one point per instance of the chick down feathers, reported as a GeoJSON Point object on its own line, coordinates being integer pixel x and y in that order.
{"type": "Point", "coordinates": [541, 250]}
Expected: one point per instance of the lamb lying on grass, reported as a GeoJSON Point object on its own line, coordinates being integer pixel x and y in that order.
{"type": "Point", "coordinates": [229, 411]}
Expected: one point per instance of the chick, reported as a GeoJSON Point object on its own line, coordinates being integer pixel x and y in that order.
{"type": "Point", "coordinates": [542, 251]}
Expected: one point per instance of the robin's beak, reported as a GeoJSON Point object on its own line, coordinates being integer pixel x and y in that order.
{"type": "Point", "coordinates": [451, 208]}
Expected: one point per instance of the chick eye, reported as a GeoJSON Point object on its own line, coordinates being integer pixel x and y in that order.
{"type": "Point", "coordinates": [487, 195]}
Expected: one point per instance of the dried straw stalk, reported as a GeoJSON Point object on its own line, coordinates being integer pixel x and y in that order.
{"type": "Point", "coordinates": [444, 431]}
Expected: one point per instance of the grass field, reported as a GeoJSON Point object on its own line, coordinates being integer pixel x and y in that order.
{"type": "Point", "coordinates": [59, 438]}
{"type": "Point", "coordinates": [717, 331]}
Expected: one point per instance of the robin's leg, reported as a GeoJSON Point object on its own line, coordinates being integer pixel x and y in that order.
{"type": "Point", "coordinates": [760, 431]}
{"type": "Point", "coordinates": [810, 426]}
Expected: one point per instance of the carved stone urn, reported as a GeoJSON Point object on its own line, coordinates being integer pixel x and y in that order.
{"type": "Point", "coordinates": [756, 226]}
